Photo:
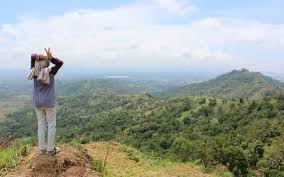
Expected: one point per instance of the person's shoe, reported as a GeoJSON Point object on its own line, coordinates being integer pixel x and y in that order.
{"type": "Point", "coordinates": [42, 152]}
{"type": "Point", "coordinates": [56, 150]}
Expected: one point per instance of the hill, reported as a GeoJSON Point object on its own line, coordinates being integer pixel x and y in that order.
{"type": "Point", "coordinates": [17, 94]}
{"type": "Point", "coordinates": [107, 159]}
{"type": "Point", "coordinates": [243, 135]}
{"type": "Point", "coordinates": [235, 84]}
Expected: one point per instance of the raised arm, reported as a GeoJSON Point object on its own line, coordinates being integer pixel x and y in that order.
{"type": "Point", "coordinates": [58, 63]}
{"type": "Point", "coordinates": [33, 59]}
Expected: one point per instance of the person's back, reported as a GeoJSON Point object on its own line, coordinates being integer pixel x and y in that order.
{"type": "Point", "coordinates": [44, 94]}
{"type": "Point", "coordinates": [44, 100]}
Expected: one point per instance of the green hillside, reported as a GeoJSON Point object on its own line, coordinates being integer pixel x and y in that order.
{"type": "Point", "coordinates": [244, 136]}
{"type": "Point", "coordinates": [16, 94]}
{"type": "Point", "coordinates": [235, 84]}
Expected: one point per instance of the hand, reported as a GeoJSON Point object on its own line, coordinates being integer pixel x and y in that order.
{"type": "Point", "coordinates": [48, 54]}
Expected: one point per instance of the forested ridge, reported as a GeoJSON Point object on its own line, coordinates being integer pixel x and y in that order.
{"type": "Point", "coordinates": [234, 84]}
{"type": "Point", "coordinates": [244, 135]}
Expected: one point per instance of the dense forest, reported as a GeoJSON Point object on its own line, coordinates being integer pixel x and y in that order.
{"type": "Point", "coordinates": [243, 134]}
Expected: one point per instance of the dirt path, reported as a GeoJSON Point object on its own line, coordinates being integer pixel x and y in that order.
{"type": "Point", "coordinates": [120, 164]}
{"type": "Point", "coordinates": [70, 162]}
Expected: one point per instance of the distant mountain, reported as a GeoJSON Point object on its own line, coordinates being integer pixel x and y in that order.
{"type": "Point", "coordinates": [235, 84]}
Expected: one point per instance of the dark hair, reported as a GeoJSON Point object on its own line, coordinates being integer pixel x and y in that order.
{"type": "Point", "coordinates": [34, 56]}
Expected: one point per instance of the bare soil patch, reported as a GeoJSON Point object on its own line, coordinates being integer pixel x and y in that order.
{"type": "Point", "coordinates": [70, 162]}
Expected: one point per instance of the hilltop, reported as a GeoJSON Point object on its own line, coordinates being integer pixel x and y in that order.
{"type": "Point", "coordinates": [235, 84]}
{"type": "Point", "coordinates": [107, 159]}
{"type": "Point", "coordinates": [69, 162]}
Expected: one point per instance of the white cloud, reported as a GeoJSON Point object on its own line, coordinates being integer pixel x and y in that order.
{"type": "Point", "coordinates": [131, 36]}
{"type": "Point", "coordinates": [7, 29]}
{"type": "Point", "coordinates": [205, 54]}
{"type": "Point", "coordinates": [245, 32]}
{"type": "Point", "coordinates": [176, 6]}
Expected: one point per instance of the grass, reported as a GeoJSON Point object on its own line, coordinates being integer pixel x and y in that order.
{"type": "Point", "coordinates": [76, 144]}
{"type": "Point", "coordinates": [10, 157]}
{"type": "Point", "coordinates": [117, 160]}
{"type": "Point", "coordinates": [132, 153]}
{"type": "Point", "coordinates": [125, 161]}
{"type": "Point", "coordinates": [98, 166]}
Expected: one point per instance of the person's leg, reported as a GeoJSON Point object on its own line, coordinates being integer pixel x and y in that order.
{"type": "Point", "coordinates": [51, 120]}
{"type": "Point", "coordinates": [41, 124]}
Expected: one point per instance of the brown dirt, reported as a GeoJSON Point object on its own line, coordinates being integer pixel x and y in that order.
{"type": "Point", "coordinates": [70, 162]}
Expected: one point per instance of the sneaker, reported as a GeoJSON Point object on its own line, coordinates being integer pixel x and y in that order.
{"type": "Point", "coordinates": [42, 152]}
{"type": "Point", "coordinates": [56, 150]}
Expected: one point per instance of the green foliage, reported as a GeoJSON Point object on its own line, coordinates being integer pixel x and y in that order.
{"type": "Point", "coordinates": [97, 166]}
{"type": "Point", "coordinates": [11, 156]}
{"type": "Point", "coordinates": [272, 164]}
{"type": "Point", "coordinates": [236, 133]}
{"type": "Point", "coordinates": [237, 161]}
{"type": "Point", "coordinates": [236, 136]}
{"type": "Point", "coordinates": [132, 153]}
{"type": "Point", "coordinates": [87, 117]}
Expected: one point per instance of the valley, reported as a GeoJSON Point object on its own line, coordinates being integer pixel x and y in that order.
{"type": "Point", "coordinates": [239, 132]}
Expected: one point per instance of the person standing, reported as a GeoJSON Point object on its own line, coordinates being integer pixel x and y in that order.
{"type": "Point", "coordinates": [44, 100]}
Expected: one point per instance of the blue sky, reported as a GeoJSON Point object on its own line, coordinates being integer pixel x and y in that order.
{"type": "Point", "coordinates": [12, 10]}
{"type": "Point", "coordinates": [266, 11]}
{"type": "Point", "coordinates": [146, 34]}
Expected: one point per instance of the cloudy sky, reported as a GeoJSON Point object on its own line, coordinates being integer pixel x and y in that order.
{"type": "Point", "coordinates": [145, 35]}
